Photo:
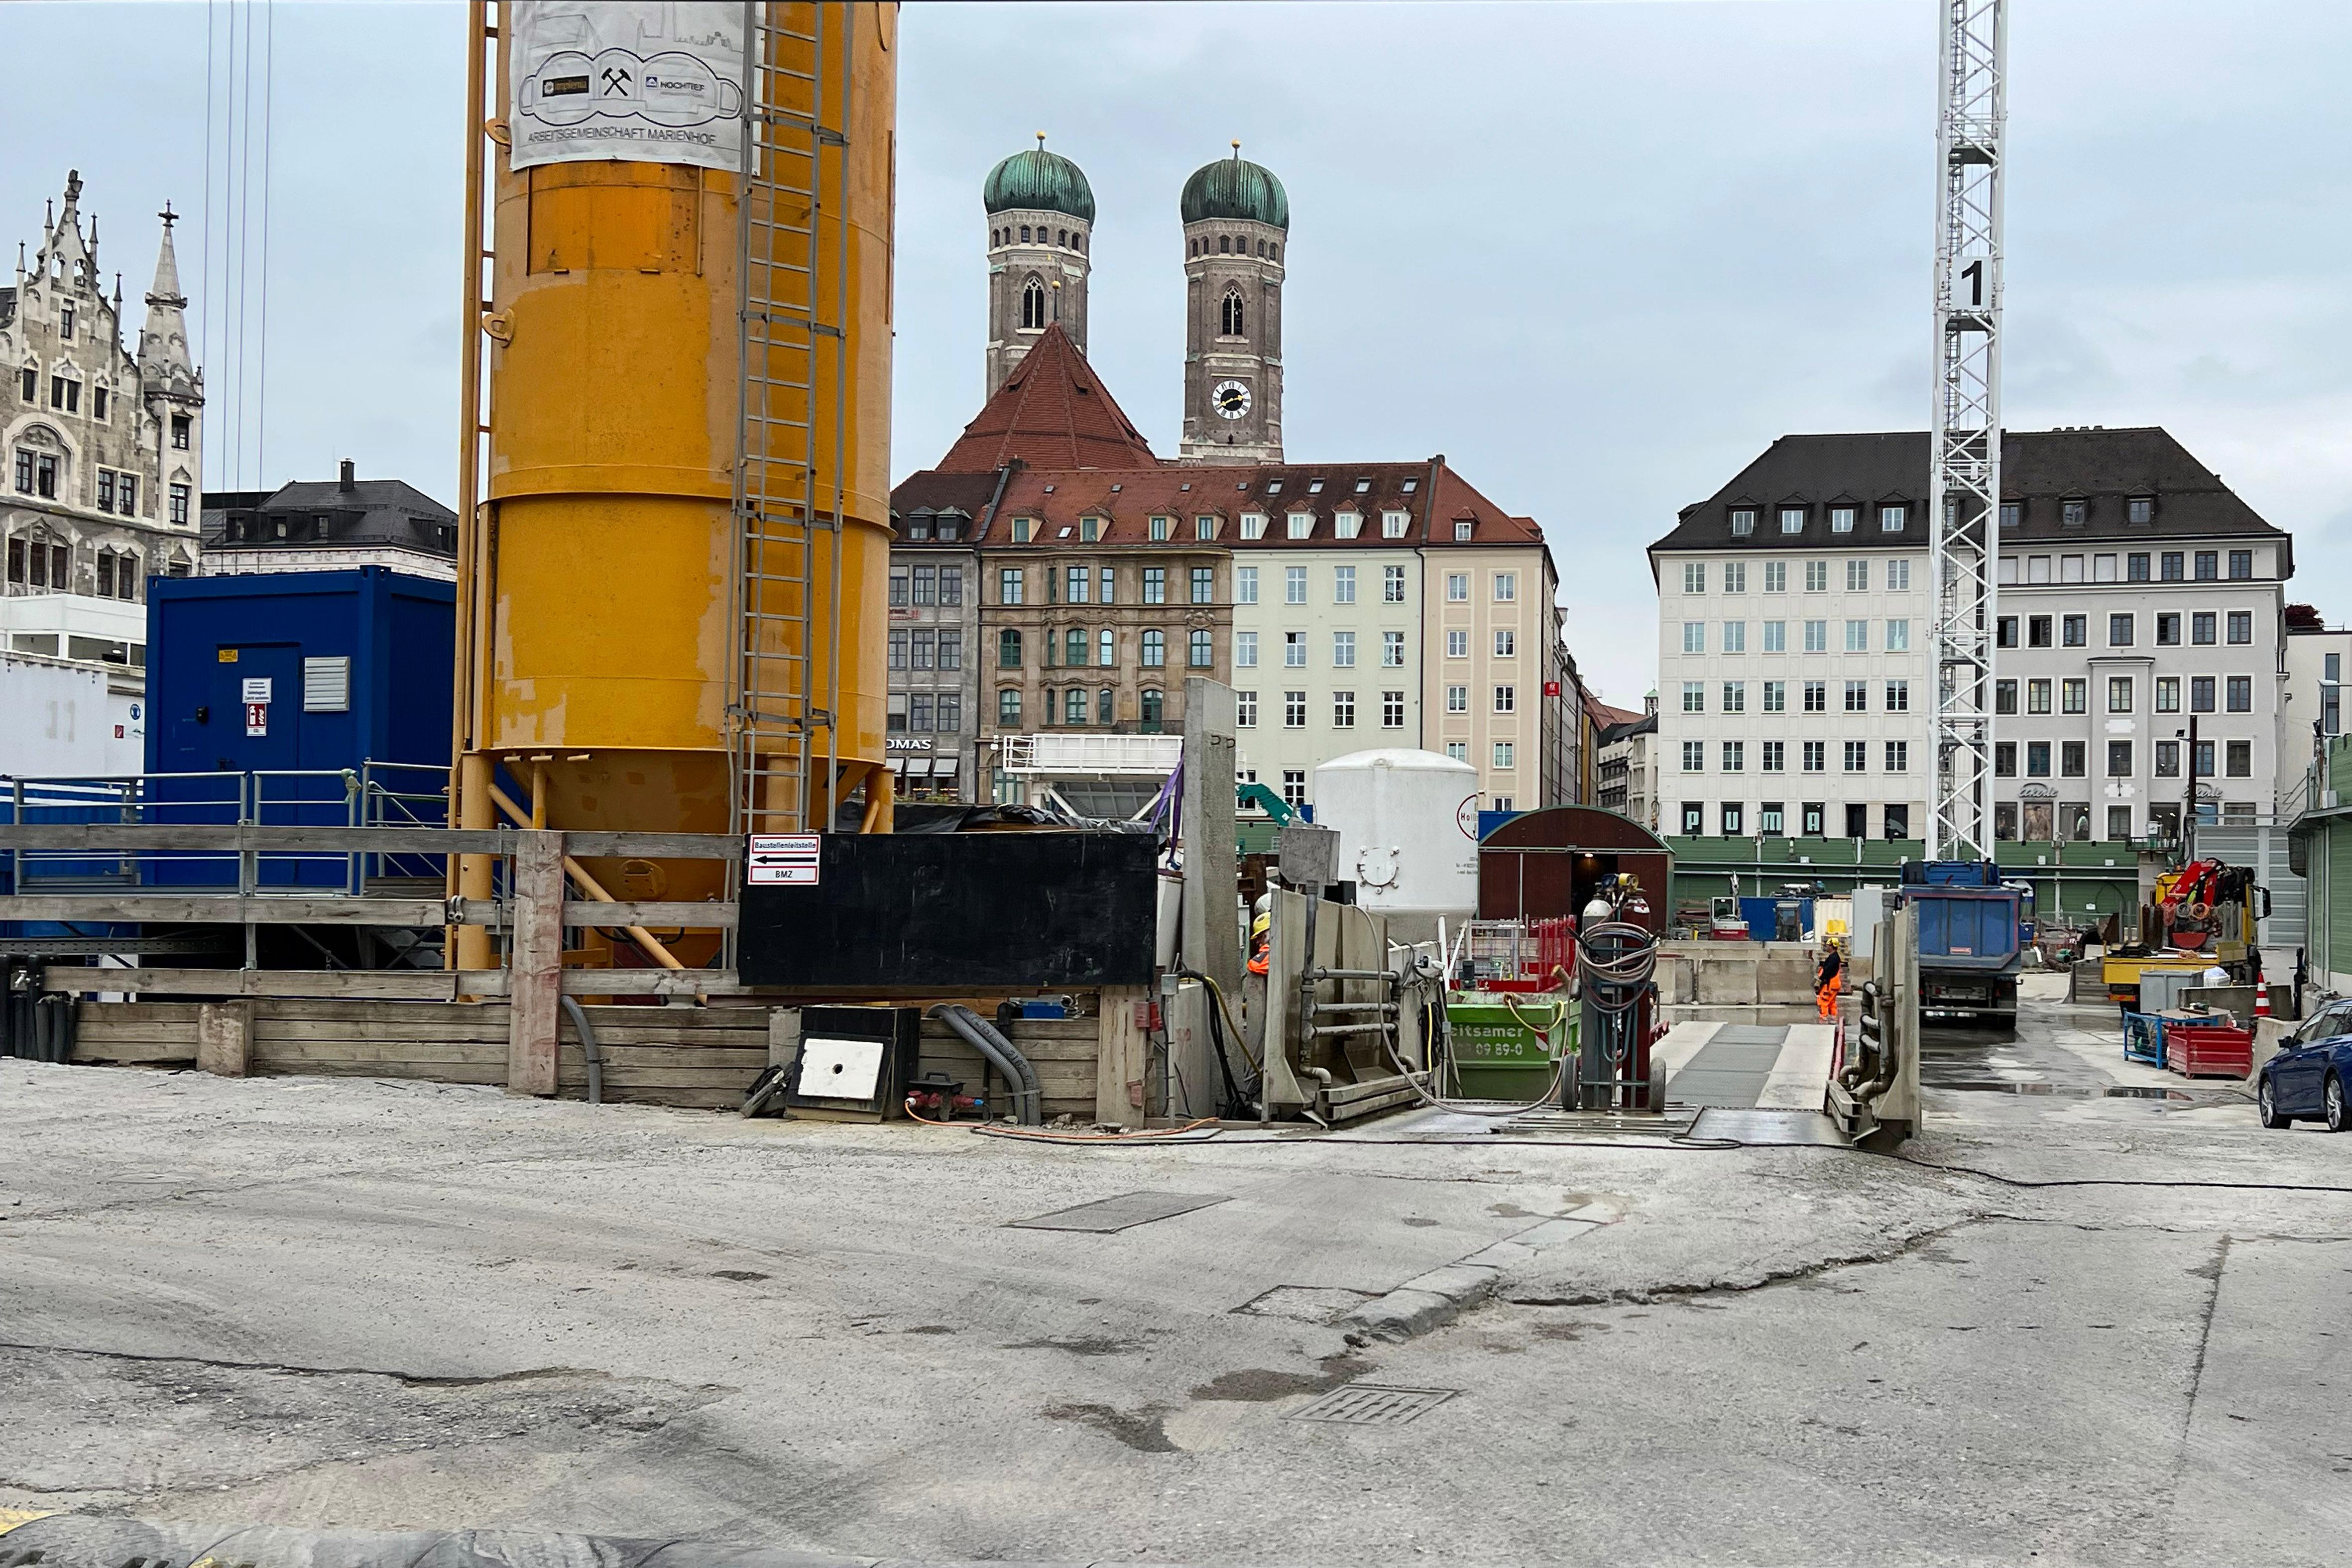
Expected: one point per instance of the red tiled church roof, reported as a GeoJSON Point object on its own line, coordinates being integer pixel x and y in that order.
{"type": "Point", "coordinates": [1052, 411]}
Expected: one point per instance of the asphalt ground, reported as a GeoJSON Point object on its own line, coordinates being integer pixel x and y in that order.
{"type": "Point", "coordinates": [393, 1306]}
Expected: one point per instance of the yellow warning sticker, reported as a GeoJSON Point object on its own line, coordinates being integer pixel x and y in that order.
{"type": "Point", "coordinates": [228, 655]}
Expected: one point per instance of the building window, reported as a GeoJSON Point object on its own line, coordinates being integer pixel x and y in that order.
{"type": "Point", "coordinates": [1776, 756]}
{"type": "Point", "coordinates": [1155, 585]}
{"type": "Point", "coordinates": [1293, 585]}
{"type": "Point", "coordinates": [1776, 636]}
{"type": "Point", "coordinates": [1074, 705]}
{"type": "Point", "coordinates": [1505, 757]}
{"type": "Point", "coordinates": [2242, 564]}
{"type": "Point", "coordinates": [2242, 694]}
{"type": "Point", "coordinates": [1817, 636]}
{"type": "Point", "coordinates": [2120, 759]}
{"type": "Point", "coordinates": [1898, 636]}
{"type": "Point", "coordinates": [1694, 577]}
{"type": "Point", "coordinates": [1152, 706]}
{"type": "Point", "coordinates": [2168, 760]}
{"type": "Point", "coordinates": [2173, 565]}
{"type": "Point", "coordinates": [1816, 756]}
{"type": "Point", "coordinates": [1204, 527]}
{"type": "Point", "coordinates": [1857, 696]}
{"type": "Point", "coordinates": [2004, 759]}
{"type": "Point", "coordinates": [1155, 650]}
{"type": "Point", "coordinates": [1857, 756]}
{"type": "Point", "coordinates": [1343, 650]}
{"type": "Point", "coordinates": [1735, 636]}
{"type": "Point", "coordinates": [1792, 519]}
{"type": "Point", "coordinates": [2004, 697]}
{"type": "Point", "coordinates": [1008, 708]}
{"type": "Point", "coordinates": [1743, 522]}
{"type": "Point", "coordinates": [2168, 693]}
{"type": "Point", "coordinates": [1817, 577]}
{"type": "Point", "coordinates": [1301, 525]}
{"type": "Point", "coordinates": [1202, 653]}
{"type": "Point", "coordinates": [1393, 650]}
{"type": "Point", "coordinates": [1694, 636]}
{"type": "Point", "coordinates": [1245, 709]}
{"type": "Point", "coordinates": [1074, 647]}
{"type": "Point", "coordinates": [2241, 626]}
{"type": "Point", "coordinates": [1157, 529]}
{"type": "Point", "coordinates": [1231, 318]}
{"type": "Point", "coordinates": [950, 649]}
{"type": "Point", "coordinates": [1245, 585]}
{"type": "Point", "coordinates": [1775, 696]}
{"type": "Point", "coordinates": [1505, 644]}
{"type": "Point", "coordinates": [1735, 756]}
{"type": "Point", "coordinates": [2168, 629]}
{"type": "Point", "coordinates": [2074, 631]}
{"type": "Point", "coordinates": [1898, 821]}
{"type": "Point", "coordinates": [1505, 699]}
{"type": "Point", "coordinates": [898, 648]}
{"type": "Point", "coordinates": [1457, 699]}
{"type": "Point", "coordinates": [2142, 509]}
{"type": "Point", "coordinates": [1458, 644]}
{"type": "Point", "coordinates": [2238, 758]}
{"type": "Point", "coordinates": [1204, 585]}
{"type": "Point", "coordinates": [2203, 761]}
{"type": "Point", "coordinates": [2075, 695]}
{"type": "Point", "coordinates": [1694, 697]}
{"type": "Point", "coordinates": [2074, 513]}
{"type": "Point", "coordinates": [1898, 697]}
{"type": "Point", "coordinates": [1294, 650]}
{"type": "Point", "coordinates": [2072, 763]}
{"type": "Point", "coordinates": [1393, 585]}
{"type": "Point", "coordinates": [1858, 636]}
{"type": "Point", "coordinates": [1244, 650]}
{"type": "Point", "coordinates": [1293, 710]}
{"type": "Point", "coordinates": [2200, 693]}
{"type": "Point", "coordinates": [1008, 650]}
{"type": "Point", "coordinates": [1009, 585]}
{"type": "Point", "coordinates": [2208, 565]}
{"type": "Point", "coordinates": [1776, 576]}
{"type": "Point", "coordinates": [1506, 586]}
{"type": "Point", "coordinates": [1033, 300]}
{"type": "Point", "coordinates": [1734, 819]}
{"type": "Point", "coordinates": [2037, 760]}
{"type": "Point", "coordinates": [2119, 694]}
{"type": "Point", "coordinates": [1252, 525]}
{"type": "Point", "coordinates": [2119, 630]}
{"type": "Point", "coordinates": [1694, 756]}
{"type": "Point", "coordinates": [1898, 756]}
{"type": "Point", "coordinates": [1391, 710]}
{"type": "Point", "coordinates": [1735, 697]}
{"type": "Point", "coordinates": [1343, 585]}
{"type": "Point", "coordinates": [1890, 519]}
{"type": "Point", "coordinates": [1343, 710]}
{"type": "Point", "coordinates": [1817, 697]}
{"type": "Point", "coordinates": [1857, 577]}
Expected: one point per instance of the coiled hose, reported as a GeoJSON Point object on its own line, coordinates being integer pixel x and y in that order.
{"type": "Point", "coordinates": [1614, 986]}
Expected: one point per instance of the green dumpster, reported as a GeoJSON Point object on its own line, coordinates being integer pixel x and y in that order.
{"type": "Point", "coordinates": [1507, 1050]}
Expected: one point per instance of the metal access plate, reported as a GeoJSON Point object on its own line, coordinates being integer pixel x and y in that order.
{"type": "Point", "coordinates": [1120, 1213]}
{"type": "Point", "coordinates": [840, 1069]}
{"type": "Point", "coordinates": [1373, 1405]}
{"type": "Point", "coordinates": [1805, 1129]}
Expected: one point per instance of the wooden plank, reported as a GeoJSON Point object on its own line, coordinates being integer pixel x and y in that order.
{"type": "Point", "coordinates": [300, 1031]}
{"type": "Point", "coordinates": [197, 909]}
{"type": "Point", "coordinates": [613, 982]}
{"type": "Point", "coordinates": [493, 1014]}
{"type": "Point", "coordinates": [535, 964]}
{"type": "Point", "coordinates": [475, 1053]}
{"type": "Point", "coordinates": [1121, 1085]}
{"type": "Point", "coordinates": [417, 985]}
{"type": "Point", "coordinates": [688, 915]}
{"type": "Point", "coordinates": [427, 1072]}
{"type": "Point", "coordinates": [653, 846]}
{"type": "Point", "coordinates": [88, 1050]}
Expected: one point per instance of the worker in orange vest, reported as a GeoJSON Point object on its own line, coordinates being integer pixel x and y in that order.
{"type": "Point", "coordinates": [1829, 978]}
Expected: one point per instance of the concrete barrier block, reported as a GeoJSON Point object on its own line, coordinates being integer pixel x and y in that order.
{"type": "Point", "coordinates": [1728, 984]}
{"type": "Point", "coordinates": [1784, 981]}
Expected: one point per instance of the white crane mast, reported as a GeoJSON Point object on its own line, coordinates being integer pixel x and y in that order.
{"type": "Point", "coordinates": [1964, 493]}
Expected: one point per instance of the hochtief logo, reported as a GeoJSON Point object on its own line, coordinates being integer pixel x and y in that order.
{"type": "Point", "coordinates": [671, 88]}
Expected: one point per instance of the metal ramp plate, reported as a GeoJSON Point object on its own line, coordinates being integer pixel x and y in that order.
{"type": "Point", "coordinates": [1120, 1213]}
{"type": "Point", "coordinates": [1791, 1129]}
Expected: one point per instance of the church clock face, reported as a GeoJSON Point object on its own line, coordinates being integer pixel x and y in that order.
{"type": "Point", "coordinates": [1230, 399]}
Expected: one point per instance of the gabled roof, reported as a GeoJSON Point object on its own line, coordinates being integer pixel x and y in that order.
{"type": "Point", "coordinates": [1052, 411]}
{"type": "Point", "coordinates": [2038, 468]}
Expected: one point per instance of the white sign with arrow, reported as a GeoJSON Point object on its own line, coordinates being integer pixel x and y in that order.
{"type": "Point", "coordinates": [783, 858]}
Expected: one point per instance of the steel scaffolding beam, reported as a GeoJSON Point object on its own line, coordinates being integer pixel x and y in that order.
{"type": "Point", "coordinates": [1964, 491]}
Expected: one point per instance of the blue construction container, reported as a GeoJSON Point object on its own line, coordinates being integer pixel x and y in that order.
{"type": "Point", "coordinates": [280, 697]}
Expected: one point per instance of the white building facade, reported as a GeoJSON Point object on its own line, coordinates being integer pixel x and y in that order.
{"type": "Point", "coordinates": [2136, 593]}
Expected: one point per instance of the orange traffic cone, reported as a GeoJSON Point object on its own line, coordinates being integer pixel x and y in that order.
{"type": "Point", "coordinates": [2261, 999]}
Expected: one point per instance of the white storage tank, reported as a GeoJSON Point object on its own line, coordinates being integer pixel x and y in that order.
{"type": "Point", "coordinates": [1407, 823]}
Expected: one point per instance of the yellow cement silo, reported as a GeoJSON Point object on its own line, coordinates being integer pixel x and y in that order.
{"type": "Point", "coordinates": [602, 582]}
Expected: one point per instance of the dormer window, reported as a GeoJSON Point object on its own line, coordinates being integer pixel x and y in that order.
{"type": "Point", "coordinates": [1461, 528]}
{"type": "Point", "coordinates": [1021, 527]}
{"type": "Point", "coordinates": [1890, 517]}
{"type": "Point", "coordinates": [1840, 519]}
{"type": "Point", "coordinates": [1792, 519]}
{"type": "Point", "coordinates": [2143, 509]}
{"type": "Point", "coordinates": [1346, 525]}
{"type": "Point", "coordinates": [1252, 525]}
{"type": "Point", "coordinates": [1204, 527]}
{"type": "Point", "coordinates": [1089, 530]}
{"type": "Point", "coordinates": [1159, 529]}
{"type": "Point", "coordinates": [950, 530]}
{"type": "Point", "coordinates": [1302, 525]}
{"type": "Point", "coordinates": [1394, 524]}
{"type": "Point", "coordinates": [1743, 521]}
{"type": "Point", "coordinates": [919, 527]}
{"type": "Point", "coordinates": [2075, 513]}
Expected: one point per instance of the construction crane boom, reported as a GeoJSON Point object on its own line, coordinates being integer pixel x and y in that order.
{"type": "Point", "coordinates": [1964, 492]}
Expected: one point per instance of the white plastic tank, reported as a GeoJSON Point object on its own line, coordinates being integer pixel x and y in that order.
{"type": "Point", "coordinates": [1408, 824]}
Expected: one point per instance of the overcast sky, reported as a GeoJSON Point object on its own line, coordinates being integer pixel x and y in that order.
{"type": "Point", "coordinates": [1598, 254]}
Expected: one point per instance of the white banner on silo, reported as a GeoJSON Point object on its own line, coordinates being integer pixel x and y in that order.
{"type": "Point", "coordinates": [650, 81]}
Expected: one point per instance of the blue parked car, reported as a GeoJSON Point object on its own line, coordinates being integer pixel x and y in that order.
{"type": "Point", "coordinates": [2311, 1077]}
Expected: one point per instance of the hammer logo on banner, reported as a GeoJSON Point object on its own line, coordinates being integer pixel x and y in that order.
{"type": "Point", "coordinates": [648, 81]}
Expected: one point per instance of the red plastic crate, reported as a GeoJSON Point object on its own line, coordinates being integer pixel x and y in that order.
{"type": "Point", "coordinates": [2218, 1052]}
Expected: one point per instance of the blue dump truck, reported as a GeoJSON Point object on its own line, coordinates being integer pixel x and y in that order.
{"type": "Point", "coordinates": [1972, 938]}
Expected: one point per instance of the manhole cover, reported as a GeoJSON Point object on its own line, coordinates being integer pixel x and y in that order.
{"type": "Point", "coordinates": [1373, 1405]}
{"type": "Point", "coordinates": [1120, 1213]}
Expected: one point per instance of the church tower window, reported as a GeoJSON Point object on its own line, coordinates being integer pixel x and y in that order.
{"type": "Point", "coordinates": [1033, 304]}
{"type": "Point", "coordinates": [1230, 323]}
{"type": "Point", "coordinates": [1225, 245]}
